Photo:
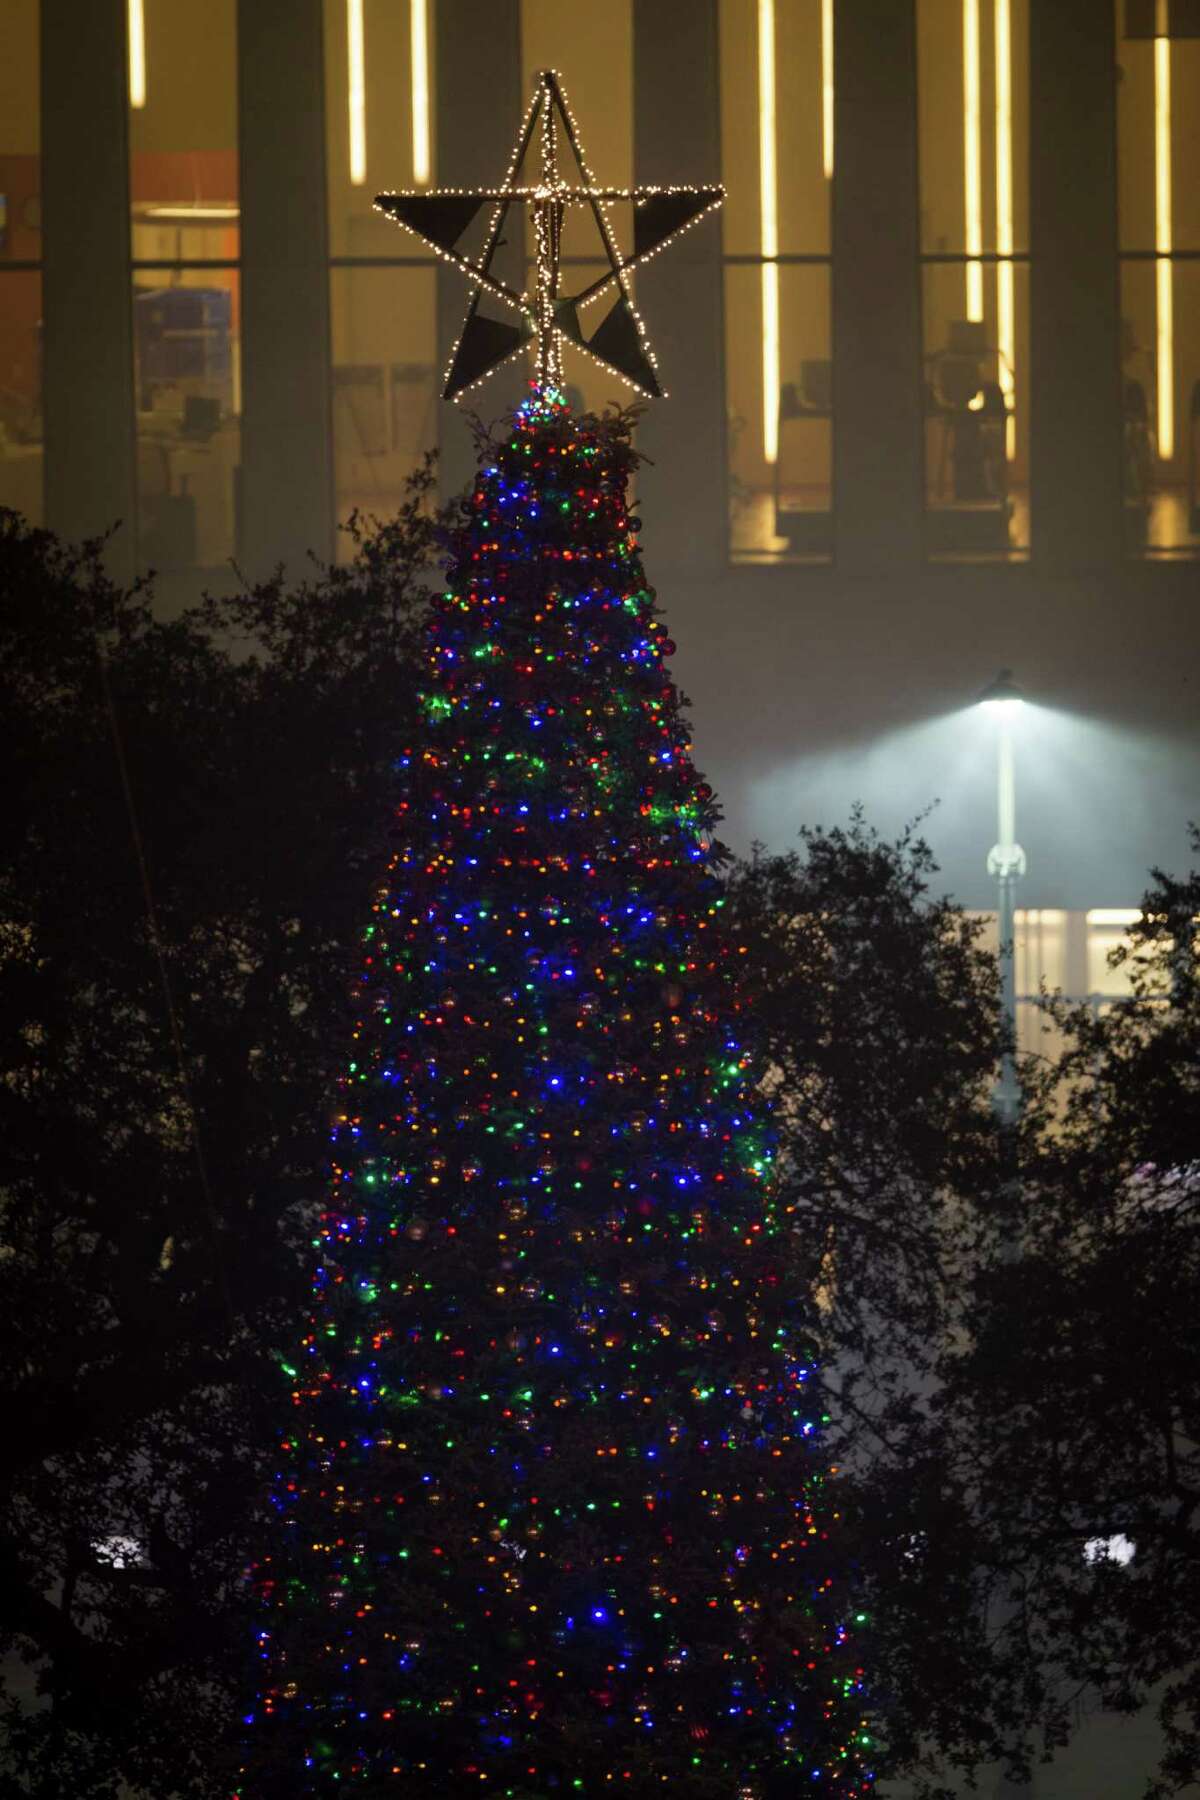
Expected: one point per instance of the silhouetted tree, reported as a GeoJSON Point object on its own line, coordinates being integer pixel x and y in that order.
{"type": "Point", "coordinates": [156, 1164]}
{"type": "Point", "coordinates": [1014, 1364]}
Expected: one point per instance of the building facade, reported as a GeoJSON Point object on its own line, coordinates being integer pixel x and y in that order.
{"type": "Point", "coordinates": [935, 367]}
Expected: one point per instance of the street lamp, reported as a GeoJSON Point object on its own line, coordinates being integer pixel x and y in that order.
{"type": "Point", "coordinates": [1006, 862]}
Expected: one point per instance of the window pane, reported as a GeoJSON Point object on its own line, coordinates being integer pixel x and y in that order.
{"type": "Point", "coordinates": [183, 175]}
{"type": "Point", "coordinates": [379, 95]}
{"type": "Point", "coordinates": [20, 136]}
{"type": "Point", "coordinates": [973, 118]}
{"type": "Point", "coordinates": [1160, 343]}
{"type": "Point", "coordinates": [976, 412]}
{"type": "Point", "coordinates": [21, 392]}
{"type": "Point", "coordinates": [592, 48]}
{"type": "Point", "coordinates": [797, 132]}
{"type": "Point", "coordinates": [1158, 141]}
{"type": "Point", "coordinates": [780, 451]}
{"type": "Point", "coordinates": [385, 384]}
{"type": "Point", "coordinates": [187, 371]}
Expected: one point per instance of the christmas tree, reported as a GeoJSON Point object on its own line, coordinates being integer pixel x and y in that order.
{"type": "Point", "coordinates": [552, 1507]}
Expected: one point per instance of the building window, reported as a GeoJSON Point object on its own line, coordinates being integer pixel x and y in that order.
{"type": "Point", "coordinates": [185, 251]}
{"type": "Point", "coordinates": [777, 74]}
{"type": "Point", "coordinates": [383, 327]}
{"type": "Point", "coordinates": [379, 109]}
{"type": "Point", "coordinates": [973, 96]}
{"type": "Point", "coordinates": [592, 48]}
{"type": "Point", "coordinates": [21, 442]}
{"type": "Point", "coordinates": [1158, 153]}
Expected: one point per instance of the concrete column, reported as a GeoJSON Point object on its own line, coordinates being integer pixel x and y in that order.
{"type": "Point", "coordinates": [287, 436]}
{"type": "Point", "coordinates": [877, 423]}
{"type": "Point", "coordinates": [677, 138]}
{"type": "Point", "coordinates": [1075, 403]}
{"type": "Point", "coordinates": [480, 104]}
{"type": "Point", "coordinates": [87, 300]}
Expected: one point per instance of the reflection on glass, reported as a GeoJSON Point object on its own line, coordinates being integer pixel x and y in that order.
{"type": "Point", "coordinates": [973, 118]}
{"type": "Point", "coordinates": [187, 373]}
{"type": "Point", "coordinates": [777, 152]}
{"type": "Point", "coordinates": [592, 48]}
{"type": "Point", "coordinates": [781, 508]}
{"type": "Point", "coordinates": [21, 444]}
{"type": "Point", "coordinates": [1158, 139]}
{"type": "Point", "coordinates": [20, 243]}
{"type": "Point", "coordinates": [385, 384]}
{"type": "Point", "coordinates": [183, 176]}
{"type": "Point", "coordinates": [801, 55]}
{"type": "Point", "coordinates": [379, 87]}
{"type": "Point", "coordinates": [20, 135]}
{"type": "Point", "coordinates": [1158, 160]}
{"type": "Point", "coordinates": [1162, 486]}
{"type": "Point", "coordinates": [973, 94]}
{"type": "Point", "coordinates": [976, 416]}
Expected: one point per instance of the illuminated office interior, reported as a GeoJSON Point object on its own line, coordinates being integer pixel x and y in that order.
{"type": "Point", "coordinates": [390, 94]}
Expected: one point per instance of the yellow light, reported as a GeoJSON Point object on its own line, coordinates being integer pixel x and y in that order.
{"type": "Point", "coordinates": [356, 91]}
{"type": "Point", "coordinates": [1006, 329]}
{"type": "Point", "coordinates": [827, 88]}
{"type": "Point", "coordinates": [136, 27]}
{"type": "Point", "coordinates": [419, 23]}
{"type": "Point", "coordinates": [769, 210]}
{"type": "Point", "coordinates": [972, 158]}
{"type": "Point", "coordinates": [1164, 242]}
{"type": "Point", "coordinates": [1114, 915]}
{"type": "Point", "coordinates": [186, 214]}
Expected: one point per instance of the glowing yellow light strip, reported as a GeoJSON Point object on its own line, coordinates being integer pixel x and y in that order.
{"type": "Point", "coordinates": [769, 209]}
{"type": "Point", "coordinates": [1006, 328]}
{"type": "Point", "coordinates": [136, 28]}
{"type": "Point", "coordinates": [827, 88]}
{"type": "Point", "coordinates": [1164, 242]}
{"type": "Point", "coordinates": [419, 23]}
{"type": "Point", "coordinates": [972, 158]}
{"type": "Point", "coordinates": [356, 91]}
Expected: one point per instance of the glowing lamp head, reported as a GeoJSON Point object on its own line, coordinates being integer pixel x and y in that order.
{"type": "Point", "coordinates": [1002, 695]}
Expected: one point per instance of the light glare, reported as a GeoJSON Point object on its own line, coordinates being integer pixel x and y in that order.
{"type": "Point", "coordinates": [419, 22]}
{"type": "Point", "coordinates": [972, 158]}
{"type": "Point", "coordinates": [1164, 241]}
{"type": "Point", "coordinates": [768, 208]}
{"type": "Point", "coordinates": [1006, 332]}
{"type": "Point", "coordinates": [356, 92]}
{"type": "Point", "coordinates": [827, 89]}
{"type": "Point", "coordinates": [136, 27]}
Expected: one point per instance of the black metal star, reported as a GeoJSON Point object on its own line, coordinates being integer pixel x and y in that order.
{"type": "Point", "coordinates": [547, 316]}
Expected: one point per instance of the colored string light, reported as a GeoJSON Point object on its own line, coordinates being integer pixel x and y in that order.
{"type": "Point", "coordinates": [551, 1509]}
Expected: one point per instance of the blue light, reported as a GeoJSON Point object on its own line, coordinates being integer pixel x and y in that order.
{"type": "Point", "coordinates": [600, 1616]}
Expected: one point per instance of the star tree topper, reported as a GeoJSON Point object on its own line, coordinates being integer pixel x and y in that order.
{"type": "Point", "coordinates": [546, 316]}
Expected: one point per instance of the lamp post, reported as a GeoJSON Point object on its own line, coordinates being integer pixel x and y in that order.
{"type": "Point", "coordinates": [1006, 862]}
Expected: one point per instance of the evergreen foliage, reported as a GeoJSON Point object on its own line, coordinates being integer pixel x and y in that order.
{"type": "Point", "coordinates": [553, 1516]}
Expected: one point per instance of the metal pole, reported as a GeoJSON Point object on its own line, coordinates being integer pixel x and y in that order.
{"type": "Point", "coordinates": [1007, 862]}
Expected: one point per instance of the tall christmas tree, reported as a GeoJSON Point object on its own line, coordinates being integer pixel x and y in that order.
{"type": "Point", "coordinates": [552, 1514]}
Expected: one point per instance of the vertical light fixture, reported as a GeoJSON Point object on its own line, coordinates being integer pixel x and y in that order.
{"type": "Point", "coordinates": [827, 88]}
{"type": "Point", "coordinates": [1006, 329]}
{"type": "Point", "coordinates": [769, 212]}
{"type": "Point", "coordinates": [972, 158]}
{"type": "Point", "coordinates": [419, 37]}
{"type": "Point", "coordinates": [356, 91]}
{"type": "Point", "coordinates": [136, 30]}
{"type": "Point", "coordinates": [1163, 237]}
